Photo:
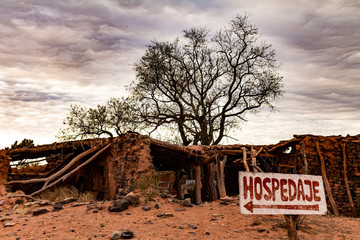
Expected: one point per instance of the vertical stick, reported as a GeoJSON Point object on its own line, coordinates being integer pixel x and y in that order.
{"type": "Point", "coordinates": [244, 159]}
{"type": "Point", "coordinates": [198, 183]}
{"type": "Point", "coordinates": [217, 171]}
{"type": "Point", "coordinates": [291, 221]}
{"type": "Point", "coordinates": [253, 160]}
{"type": "Point", "coordinates": [346, 180]}
{"type": "Point", "coordinates": [305, 167]}
{"type": "Point", "coordinates": [326, 181]}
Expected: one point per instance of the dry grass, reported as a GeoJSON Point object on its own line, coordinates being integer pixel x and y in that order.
{"type": "Point", "coordinates": [63, 192]}
{"type": "Point", "coordinates": [148, 187]}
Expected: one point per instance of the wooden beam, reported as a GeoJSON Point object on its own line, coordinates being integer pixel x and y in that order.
{"type": "Point", "coordinates": [63, 178]}
{"type": "Point", "coordinates": [48, 149]}
{"type": "Point", "coordinates": [326, 181]}
{"type": "Point", "coordinates": [64, 169]}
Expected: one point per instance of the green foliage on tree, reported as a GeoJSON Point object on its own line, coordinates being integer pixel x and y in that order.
{"type": "Point", "coordinates": [24, 143]}
{"type": "Point", "coordinates": [115, 117]}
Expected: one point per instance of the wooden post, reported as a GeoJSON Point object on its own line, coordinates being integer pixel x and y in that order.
{"type": "Point", "coordinates": [198, 183]}
{"type": "Point", "coordinates": [220, 166]}
{"type": "Point", "coordinates": [244, 159]}
{"type": "Point", "coordinates": [326, 181]}
{"type": "Point", "coordinates": [253, 160]}
{"type": "Point", "coordinates": [213, 192]}
{"type": "Point", "coordinates": [177, 183]}
{"type": "Point", "coordinates": [305, 167]}
{"type": "Point", "coordinates": [291, 221]}
{"type": "Point", "coordinates": [346, 180]}
{"type": "Point", "coordinates": [208, 184]}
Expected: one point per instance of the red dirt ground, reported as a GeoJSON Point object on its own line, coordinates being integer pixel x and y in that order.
{"type": "Point", "coordinates": [213, 221]}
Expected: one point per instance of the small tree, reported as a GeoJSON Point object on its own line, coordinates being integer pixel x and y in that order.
{"type": "Point", "coordinates": [205, 85]}
{"type": "Point", "coordinates": [24, 143]}
{"type": "Point", "coordinates": [115, 117]}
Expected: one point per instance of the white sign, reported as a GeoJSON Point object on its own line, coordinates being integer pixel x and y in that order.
{"type": "Point", "coordinates": [275, 193]}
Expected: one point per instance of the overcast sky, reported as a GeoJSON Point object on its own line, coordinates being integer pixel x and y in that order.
{"type": "Point", "coordinates": [54, 53]}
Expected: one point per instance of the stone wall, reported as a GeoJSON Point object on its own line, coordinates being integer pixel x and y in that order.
{"type": "Point", "coordinates": [128, 160]}
{"type": "Point", "coordinates": [332, 152]}
{"type": "Point", "coordinates": [4, 166]}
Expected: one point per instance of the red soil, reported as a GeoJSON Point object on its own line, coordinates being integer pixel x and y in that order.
{"type": "Point", "coordinates": [212, 220]}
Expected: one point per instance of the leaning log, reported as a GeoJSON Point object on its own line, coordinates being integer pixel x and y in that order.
{"type": "Point", "coordinates": [63, 178]}
{"type": "Point", "coordinates": [64, 169]}
{"type": "Point", "coordinates": [326, 181]}
{"type": "Point", "coordinates": [46, 150]}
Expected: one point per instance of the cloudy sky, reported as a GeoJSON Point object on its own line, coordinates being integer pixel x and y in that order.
{"type": "Point", "coordinates": [54, 53]}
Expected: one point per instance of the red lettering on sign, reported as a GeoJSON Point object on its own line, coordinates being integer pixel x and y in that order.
{"type": "Point", "coordinates": [300, 190]}
{"type": "Point", "coordinates": [292, 190]}
{"type": "Point", "coordinates": [309, 197]}
{"type": "Point", "coordinates": [283, 190]}
{"type": "Point", "coordinates": [248, 187]}
{"type": "Point", "coordinates": [258, 186]}
{"type": "Point", "coordinates": [275, 186]}
{"type": "Point", "coordinates": [315, 190]}
{"type": "Point", "coordinates": [267, 196]}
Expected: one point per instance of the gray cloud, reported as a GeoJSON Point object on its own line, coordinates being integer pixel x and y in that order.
{"type": "Point", "coordinates": [57, 53]}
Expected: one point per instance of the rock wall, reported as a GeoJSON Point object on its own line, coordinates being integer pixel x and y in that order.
{"type": "Point", "coordinates": [4, 166]}
{"type": "Point", "coordinates": [332, 152]}
{"type": "Point", "coordinates": [128, 160]}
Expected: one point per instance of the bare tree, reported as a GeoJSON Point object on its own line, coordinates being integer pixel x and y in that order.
{"type": "Point", "coordinates": [205, 85]}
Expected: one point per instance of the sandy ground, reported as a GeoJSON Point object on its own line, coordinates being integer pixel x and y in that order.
{"type": "Point", "coordinates": [207, 221]}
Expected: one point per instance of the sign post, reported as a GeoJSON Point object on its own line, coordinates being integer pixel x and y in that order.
{"type": "Point", "coordinates": [285, 194]}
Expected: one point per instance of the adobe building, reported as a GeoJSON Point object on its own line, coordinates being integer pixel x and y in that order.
{"type": "Point", "coordinates": [114, 167]}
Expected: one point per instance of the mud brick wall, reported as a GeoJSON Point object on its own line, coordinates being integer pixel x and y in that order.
{"type": "Point", "coordinates": [128, 160]}
{"type": "Point", "coordinates": [353, 171]}
{"type": "Point", "coordinates": [4, 166]}
{"type": "Point", "coordinates": [333, 156]}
